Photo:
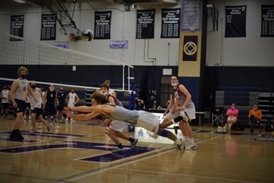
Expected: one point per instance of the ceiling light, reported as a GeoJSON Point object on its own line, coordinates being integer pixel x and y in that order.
{"type": "Point", "coordinates": [19, 1]}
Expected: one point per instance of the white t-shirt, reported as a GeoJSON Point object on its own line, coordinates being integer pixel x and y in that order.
{"type": "Point", "coordinates": [32, 102]}
{"type": "Point", "coordinates": [5, 96]}
{"type": "Point", "coordinates": [72, 98]}
{"type": "Point", "coordinates": [111, 92]}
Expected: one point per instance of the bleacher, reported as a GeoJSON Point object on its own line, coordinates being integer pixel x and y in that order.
{"type": "Point", "coordinates": [244, 98]}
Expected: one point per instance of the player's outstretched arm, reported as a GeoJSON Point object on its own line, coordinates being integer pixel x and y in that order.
{"type": "Point", "coordinates": [80, 117]}
{"type": "Point", "coordinates": [80, 108]}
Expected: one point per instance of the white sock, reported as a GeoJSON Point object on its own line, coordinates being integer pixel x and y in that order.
{"type": "Point", "coordinates": [187, 138]}
{"type": "Point", "coordinates": [178, 141]}
{"type": "Point", "coordinates": [191, 140]}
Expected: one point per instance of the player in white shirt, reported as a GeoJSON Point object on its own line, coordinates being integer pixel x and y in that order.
{"type": "Point", "coordinates": [17, 96]}
{"type": "Point", "coordinates": [36, 107]}
{"type": "Point", "coordinates": [72, 99]}
{"type": "Point", "coordinates": [5, 101]}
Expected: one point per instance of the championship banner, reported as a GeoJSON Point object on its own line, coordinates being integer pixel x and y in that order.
{"type": "Point", "coordinates": [191, 15]}
{"type": "Point", "coordinates": [267, 25]}
{"type": "Point", "coordinates": [16, 26]}
{"type": "Point", "coordinates": [190, 48]}
{"type": "Point", "coordinates": [118, 44]}
{"type": "Point", "coordinates": [48, 27]}
{"type": "Point", "coordinates": [102, 24]}
{"type": "Point", "coordinates": [145, 24]}
{"type": "Point", "coordinates": [190, 38]}
{"type": "Point", "coordinates": [235, 21]}
{"type": "Point", "coordinates": [170, 23]}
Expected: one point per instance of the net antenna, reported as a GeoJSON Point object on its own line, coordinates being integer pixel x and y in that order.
{"type": "Point", "coordinates": [58, 8]}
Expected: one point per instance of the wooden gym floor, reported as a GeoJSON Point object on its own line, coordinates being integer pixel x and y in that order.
{"type": "Point", "coordinates": [82, 153]}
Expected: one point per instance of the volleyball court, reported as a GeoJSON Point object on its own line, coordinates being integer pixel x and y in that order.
{"type": "Point", "coordinates": [29, 52]}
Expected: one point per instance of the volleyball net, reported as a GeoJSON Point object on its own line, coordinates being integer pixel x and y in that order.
{"type": "Point", "coordinates": [16, 50]}
{"type": "Point", "coordinates": [83, 92]}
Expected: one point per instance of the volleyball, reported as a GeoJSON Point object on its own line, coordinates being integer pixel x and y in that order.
{"type": "Point", "coordinates": [87, 35]}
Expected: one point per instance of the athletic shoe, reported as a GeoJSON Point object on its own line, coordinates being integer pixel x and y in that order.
{"type": "Point", "coordinates": [179, 146]}
{"type": "Point", "coordinates": [32, 131]}
{"type": "Point", "coordinates": [119, 150]}
{"type": "Point", "coordinates": [192, 146]}
{"type": "Point", "coordinates": [19, 136]}
{"type": "Point", "coordinates": [16, 136]}
{"type": "Point", "coordinates": [133, 144]}
{"type": "Point", "coordinates": [153, 135]}
{"type": "Point", "coordinates": [183, 142]}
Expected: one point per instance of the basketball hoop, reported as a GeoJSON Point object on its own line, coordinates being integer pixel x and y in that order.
{"type": "Point", "coordinates": [68, 29]}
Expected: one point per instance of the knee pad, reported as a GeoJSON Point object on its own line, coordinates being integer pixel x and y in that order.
{"type": "Point", "coordinates": [185, 116]}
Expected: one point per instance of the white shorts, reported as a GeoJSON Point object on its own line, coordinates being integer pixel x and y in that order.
{"type": "Point", "coordinates": [190, 111]}
{"type": "Point", "coordinates": [119, 126]}
{"type": "Point", "coordinates": [148, 121]}
{"type": "Point", "coordinates": [234, 119]}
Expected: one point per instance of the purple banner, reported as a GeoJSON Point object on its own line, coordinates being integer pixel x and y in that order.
{"type": "Point", "coordinates": [191, 11]}
{"type": "Point", "coordinates": [62, 44]}
{"type": "Point", "coordinates": [118, 44]}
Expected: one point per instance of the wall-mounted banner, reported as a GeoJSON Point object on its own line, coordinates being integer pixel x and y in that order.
{"type": "Point", "coordinates": [170, 23]}
{"type": "Point", "coordinates": [48, 27]}
{"type": "Point", "coordinates": [190, 48]}
{"type": "Point", "coordinates": [235, 21]}
{"type": "Point", "coordinates": [145, 24]}
{"type": "Point", "coordinates": [267, 26]}
{"type": "Point", "coordinates": [62, 44]}
{"type": "Point", "coordinates": [118, 44]}
{"type": "Point", "coordinates": [16, 26]}
{"type": "Point", "coordinates": [191, 15]}
{"type": "Point", "coordinates": [102, 24]}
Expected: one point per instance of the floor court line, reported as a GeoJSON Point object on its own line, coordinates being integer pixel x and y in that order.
{"type": "Point", "coordinates": [195, 176]}
{"type": "Point", "coordinates": [92, 172]}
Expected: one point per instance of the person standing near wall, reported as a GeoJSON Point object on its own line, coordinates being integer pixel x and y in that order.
{"type": "Point", "coordinates": [4, 102]}
{"type": "Point", "coordinates": [17, 97]}
{"type": "Point", "coordinates": [254, 116]}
